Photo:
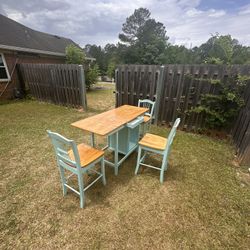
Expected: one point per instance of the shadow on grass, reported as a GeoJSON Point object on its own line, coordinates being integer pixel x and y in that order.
{"type": "Point", "coordinates": [173, 172]}
{"type": "Point", "coordinates": [99, 195]}
{"type": "Point", "coordinates": [15, 101]}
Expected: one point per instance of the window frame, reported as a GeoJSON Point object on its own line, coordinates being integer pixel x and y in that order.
{"type": "Point", "coordinates": [6, 69]}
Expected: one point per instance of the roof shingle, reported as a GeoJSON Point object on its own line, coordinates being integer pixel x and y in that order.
{"type": "Point", "coordinates": [15, 34]}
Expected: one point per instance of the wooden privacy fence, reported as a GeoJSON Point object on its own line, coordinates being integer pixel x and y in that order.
{"type": "Point", "coordinates": [241, 130]}
{"type": "Point", "coordinates": [177, 89]}
{"type": "Point", "coordinates": [62, 84]}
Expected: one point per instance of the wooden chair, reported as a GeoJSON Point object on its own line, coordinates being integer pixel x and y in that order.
{"type": "Point", "coordinates": [159, 145]}
{"type": "Point", "coordinates": [146, 103]}
{"type": "Point", "coordinates": [78, 159]}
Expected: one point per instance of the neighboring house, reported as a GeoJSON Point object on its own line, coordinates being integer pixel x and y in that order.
{"type": "Point", "coordinates": [20, 44]}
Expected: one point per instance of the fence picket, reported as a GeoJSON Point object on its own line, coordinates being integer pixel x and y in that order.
{"type": "Point", "coordinates": [56, 83]}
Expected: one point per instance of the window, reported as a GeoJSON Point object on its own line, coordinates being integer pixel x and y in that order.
{"type": "Point", "coordinates": [4, 73]}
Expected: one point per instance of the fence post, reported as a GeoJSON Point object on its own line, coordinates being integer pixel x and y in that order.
{"type": "Point", "coordinates": [159, 90]}
{"type": "Point", "coordinates": [116, 91]}
{"type": "Point", "coordinates": [83, 88]}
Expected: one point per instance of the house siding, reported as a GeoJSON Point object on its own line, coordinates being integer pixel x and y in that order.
{"type": "Point", "coordinates": [11, 57]}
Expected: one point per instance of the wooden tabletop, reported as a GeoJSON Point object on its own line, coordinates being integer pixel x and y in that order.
{"type": "Point", "coordinates": [106, 122]}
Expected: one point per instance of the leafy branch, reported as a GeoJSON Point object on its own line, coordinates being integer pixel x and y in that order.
{"type": "Point", "coordinates": [221, 109]}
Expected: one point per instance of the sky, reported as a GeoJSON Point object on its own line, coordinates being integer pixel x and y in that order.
{"type": "Point", "coordinates": [187, 22]}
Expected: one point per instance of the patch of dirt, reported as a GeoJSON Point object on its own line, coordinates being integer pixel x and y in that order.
{"type": "Point", "coordinates": [218, 134]}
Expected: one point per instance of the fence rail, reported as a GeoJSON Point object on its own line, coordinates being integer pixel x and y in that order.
{"type": "Point", "coordinates": [177, 89]}
{"type": "Point", "coordinates": [61, 84]}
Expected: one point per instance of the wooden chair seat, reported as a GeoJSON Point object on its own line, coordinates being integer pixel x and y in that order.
{"type": "Point", "coordinates": [153, 141]}
{"type": "Point", "coordinates": [87, 154]}
{"type": "Point", "coordinates": [146, 118]}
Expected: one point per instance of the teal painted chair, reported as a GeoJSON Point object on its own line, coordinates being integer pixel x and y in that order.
{"type": "Point", "coordinates": [78, 159]}
{"type": "Point", "coordinates": [156, 144]}
{"type": "Point", "coordinates": [146, 103]}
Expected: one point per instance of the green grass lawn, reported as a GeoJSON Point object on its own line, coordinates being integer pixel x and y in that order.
{"type": "Point", "coordinates": [203, 203]}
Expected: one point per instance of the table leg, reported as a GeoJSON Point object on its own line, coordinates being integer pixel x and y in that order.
{"type": "Point", "coordinates": [92, 139]}
{"type": "Point", "coordinates": [116, 153]}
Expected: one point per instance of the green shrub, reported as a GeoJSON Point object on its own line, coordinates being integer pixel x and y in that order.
{"type": "Point", "coordinates": [74, 55]}
{"type": "Point", "coordinates": [111, 70]}
{"type": "Point", "coordinates": [91, 75]}
{"type": "Point", "coordinates": [221, 109]}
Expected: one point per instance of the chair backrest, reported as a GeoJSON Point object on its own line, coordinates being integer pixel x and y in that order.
{"type": "Point", "coordinates": [172, 134]}
{"type": "Point", "coordinates": [62, 145]}
{"type": "Point", "coordinates": [146, 103]}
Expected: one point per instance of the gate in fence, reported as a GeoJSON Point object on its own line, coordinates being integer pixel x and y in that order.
{"type": "Point", "coordinates": [61, 84]}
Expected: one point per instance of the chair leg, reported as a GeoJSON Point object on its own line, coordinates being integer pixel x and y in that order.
{"type": "Point", "coordinates": [116, 170]}
{"type": "Point", "coordinates": [162, 176]}
{"type": "Point", "coordinates": [81, 189]}
{"type": "Point", "coordinates": [138, 160]}
{"type": "Point", "coordinates": [140, 131]}
{"type": "Point", "coordinates": [116, 153]}
{"type": "Point", "coordinates": [149, 125]}
{"type": "Point", "coordinates": [103, 172]}
{"type": "Point", "coordinates": [163, 168]}
{"type": "Point", "coordinates": [63, 180]}
{"type": "Point", "coordinates": [166, 166]}
{"type": "Point", "coordinates": [146, 127]}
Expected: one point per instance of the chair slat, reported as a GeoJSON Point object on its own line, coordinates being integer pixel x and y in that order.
{"type": "Point", "coordinates": [146, 103]}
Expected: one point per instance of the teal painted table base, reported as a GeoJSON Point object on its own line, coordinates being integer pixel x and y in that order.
{"type": "Point", "coordinates": [122, 141]}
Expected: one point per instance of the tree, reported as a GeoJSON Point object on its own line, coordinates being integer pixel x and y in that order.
{"type": "Point", "coordinates": [226, 45]}
{"type": "Point", "coordinates": [74, 55]}
{"type": "Point", "coordinates": [178, 54]}
{"type": "Point", "coordinates": [111, 70]}
{"type": "Point", "coordinates": [241, 55]}
{"type": "Point", "coordinates": [143, 39]}
{"type": "Point", "coordinates": [97, 52]}
{"type": "Point", "coordinates": [218, 48]}
{"type": "Point", "coordinates": [92, 74]}
{"type": "Point", "coordinates": [213, 60]}
{"type": "Point", "coordinates": [133, 26]}
{"type": "Point", "coordinates": [110, 51]}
